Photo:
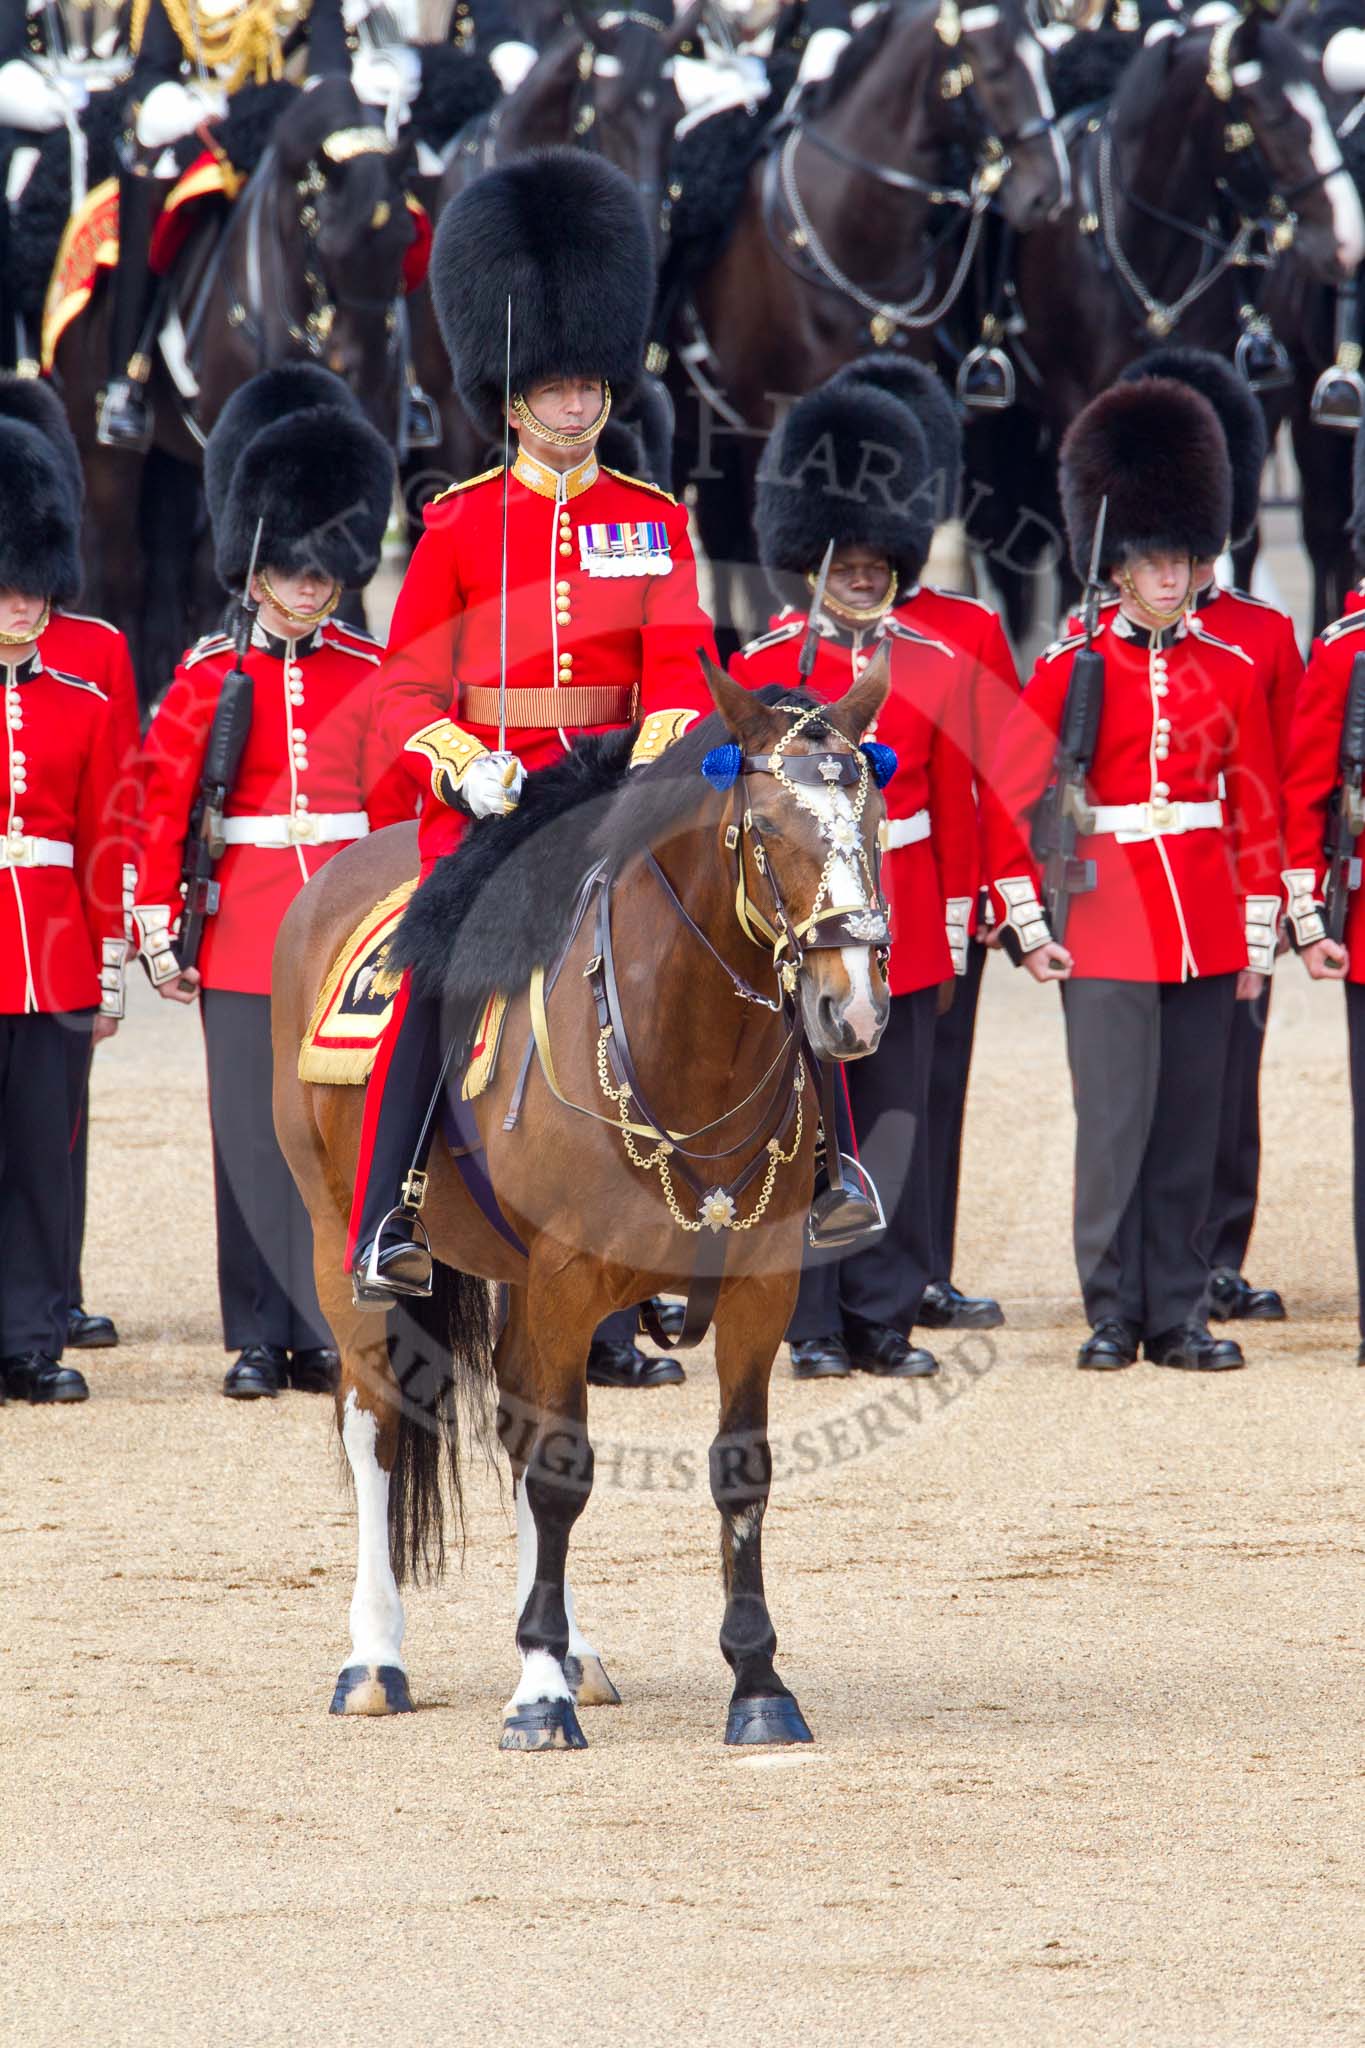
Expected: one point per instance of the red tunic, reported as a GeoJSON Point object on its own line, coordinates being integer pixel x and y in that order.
{"type": "Point", "coordinates": [313, 751]}
{"type": "Point", "coordinates": [1310, 778]}
{"type": "Point", "coordinates": [1184, 721]}
{"type": "Point", "coordinates": [933, 776]}
{"type": "Point", "coordinates": [57, 772]}
{"type": "Point", "coordinates": [573, 623]}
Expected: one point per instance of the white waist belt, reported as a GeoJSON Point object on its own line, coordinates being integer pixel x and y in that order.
{"type": "Point", "coordinates": [894, 832]}
{"type": "Point", "coordinates": [21, 851]}
{"type": "Point", "coordinates": [302, 828]}
{"type": "Point", "coordinates": [1154, 821]}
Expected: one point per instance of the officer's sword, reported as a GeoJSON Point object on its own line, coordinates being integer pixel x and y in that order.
{"type": "Point", "coordinates": [805, 660]}
{"type": "Point", "coordinates": [506, 457]}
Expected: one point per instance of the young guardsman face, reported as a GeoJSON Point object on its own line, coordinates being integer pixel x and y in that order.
{"type": "Point", "coordinates": [304, 594]}
{"type": "Point", "coordinates": [858, 577]}
{"type": "Point", "coordinates": [20, 612]}
{"type": "Point", "coordinates": [1203, 572]}
{"type": "Point", "coordinates": [565, 404]}
{"type": "Point", "coordinates": [1161, 581]}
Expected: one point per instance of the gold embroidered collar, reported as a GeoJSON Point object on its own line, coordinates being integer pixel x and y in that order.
{"type": "Point", "coordinates": [546, 482]}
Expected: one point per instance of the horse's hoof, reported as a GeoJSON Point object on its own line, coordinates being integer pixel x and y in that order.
{"type": "Point", "coordinates": [592, 1687]}
{"type": "Point", "coordinates": [372, 1689]}
{"type": "Point", "coordinates": [776, 1720]}
{"type": "Point", "coordinates": [544, 1724]}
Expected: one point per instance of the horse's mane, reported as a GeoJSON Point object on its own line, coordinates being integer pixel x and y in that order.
{"type": "Point", "coordinates": [500, 906]}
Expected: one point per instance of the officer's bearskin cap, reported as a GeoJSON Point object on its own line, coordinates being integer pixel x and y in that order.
{"type": "Point", "coordinates": [563, 235]}
{"type": "Point", "coordinates": [292, 448]}
{"type": "Point", "coordinates": [850, 464]}
{"type": "Point", "coordinates": [34, 401]}
{"type": "Point", "coordinates": [1156, 451]}
{"type": "Point", "coordinates": [919, 386]}
{"type": "Point", "coordinates": [40, 519]}
{"type": "Point", "coordinates": [1239, 415]}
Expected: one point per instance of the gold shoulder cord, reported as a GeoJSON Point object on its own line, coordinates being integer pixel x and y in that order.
{"type": "Point", "coordinates": [247, 45]}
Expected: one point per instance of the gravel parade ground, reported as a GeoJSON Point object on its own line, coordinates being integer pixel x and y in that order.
{"type": "Point", "coordinates": [1082, 1656]}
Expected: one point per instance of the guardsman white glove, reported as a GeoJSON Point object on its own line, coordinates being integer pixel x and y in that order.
{"type": "Point", "coordinates": [34, 103]}
{"type": "Point", "coordinates": [171, 111]}
{"type": "Point", "coordinates": [492, 785]}
{"type": "Point", "coordinates": [510, 63]}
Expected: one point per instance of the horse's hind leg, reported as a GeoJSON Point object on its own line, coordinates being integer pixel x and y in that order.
{"type": "Point", "coordinates": [748, 1332]}
{"type": "Point", "coordinates": [373, 1679]}
{"type": "Point", "coordinates": [516, 1421]}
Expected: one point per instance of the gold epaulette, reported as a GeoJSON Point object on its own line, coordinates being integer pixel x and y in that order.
{"type": "Point", "coordinates": [773, 637]}
{"type": "Point", "coordinates": [1352, 623]}
{"type": "Point", "coordinates": [655, 490]}
{"type": "Point", "coordinates": [1062, 646]}
{"type": "Point", "coordinates": [467, 484]}
{"type": "Point", "coordinates": [212, 643]}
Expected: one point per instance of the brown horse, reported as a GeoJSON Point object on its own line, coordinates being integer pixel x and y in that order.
{"type": "Point", "coordinates": [858, 229]}
{"type": "Point", "coordinates": [593, 1208]}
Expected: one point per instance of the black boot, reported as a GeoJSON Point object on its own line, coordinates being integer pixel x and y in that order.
{"type": "Point", "coordinates": [38, 1379]}
{"type": "Point", "coordinates": [89, 1333]}
{"type": "Point", "coordinates": [314, 1371]}
{"type": "Point", "coordinates": [1194, 1348]}
{"type": "Point", "coordinates": [260, 1371]}
{"type": "Point", "coordinates": [125, 419]}
{"type": "Point", "coordinates": [1110, 1346]}
{"type": "Point", "coordinates": [820, 1358]}
{"type": "Point", "coordinates": [878, 1349]}
{"type": "Point", "coordinates": [392, 1257]}
{"type": "Point", "coordinates": [945, 1307]}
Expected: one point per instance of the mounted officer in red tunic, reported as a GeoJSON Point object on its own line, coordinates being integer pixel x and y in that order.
{"type": "Point", "coordinates": [852, 467]}
{"type": "Point", "coordinates": [293, 455]}
{"type": "Point", "coordinates": [602, 620]}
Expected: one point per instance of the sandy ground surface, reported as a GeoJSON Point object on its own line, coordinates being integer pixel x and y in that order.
{"type": "Point", "coordinates": [1083, 1661]}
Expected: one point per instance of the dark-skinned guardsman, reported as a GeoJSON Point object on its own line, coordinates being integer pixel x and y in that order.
{"type": "Point", "coordinates": [1320, 801]}
{"type": "Point", "coordinates": [1267, 635]}
{"type": "Point", "coordinates": [603, 619]}
{"type": "Point", "coordinates": [851, 466]}
{"type": "Point", "coordinates": [292, 455]}
{"type": "Point", "coordinates": [189, 56]}
{"type": "Point", "coordinates": [75, 644]}
{"type": "Point", "coordinates": [62, 944]}
{"type": "Point", "coordinates": [988, 689]}
{"type": "Point", "coordinates": [1177, 809]}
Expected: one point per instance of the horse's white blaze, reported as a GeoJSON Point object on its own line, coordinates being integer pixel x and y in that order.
{"type": "Point", "coordinates": [1031, 57]}
{"type": "Point", "coordinates": [1348, 218]}
{"type": "Point", "coordinates": [376, 1610]}
{"type": "Point", "coordinates": [834, 808]}
{"type": "Point", "coordinates": [527, 1552]}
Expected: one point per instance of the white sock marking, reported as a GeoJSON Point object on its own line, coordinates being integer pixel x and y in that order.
{"type": "Point", "coordinates": [376, 1609]}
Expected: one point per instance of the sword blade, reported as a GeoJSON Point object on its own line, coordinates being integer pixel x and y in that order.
{"type": "Point", "coordinates": [805, 661]}
{"type": "Point", "coordinates": [506, 457]}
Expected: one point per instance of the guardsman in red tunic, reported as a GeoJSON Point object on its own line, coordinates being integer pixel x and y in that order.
{"type": "Point", "coordinates": [860, 1310]}
{"type": "Point", "coordinates": [1311, 781]}
{"type": "Point", "coordinates": [603, 621]}
{"type": "Point", "coordinates": [1182, 826]}
{"type": "Point", "coordinates": [292, 452]}
{"type": "Point", "coordinates": [91, 648]}
{"type": "Point", "coordinates": [1267, 635]}
{"type": "Point", "coordinates": [988, 692]}
{"type": "Point", "coordinates": [62, 944]}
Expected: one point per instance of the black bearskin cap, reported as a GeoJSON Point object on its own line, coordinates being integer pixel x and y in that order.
{"type": "Point", "coordinates": [564, 235]}
{"type": "Point", "coordinates": [1155, 449]}
{"type": "Point", "coordinates": [919, 386]}
{"type": "Point", "coordinates": [293, 448]}
{"type": "Point", "coordinates": [850, 464]}
{"type": "Point", "coordinates": [1239, 415]}
{"type": "Point", "coordinates": [40, 519]}
{"type": "Point", "coordinates": [34, 401]}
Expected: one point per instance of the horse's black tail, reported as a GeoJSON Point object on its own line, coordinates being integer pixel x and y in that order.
{"type": "Point", "coordinates": [441, 1354]}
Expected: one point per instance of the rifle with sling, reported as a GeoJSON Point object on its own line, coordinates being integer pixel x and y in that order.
{"type": "Point", "coordinates": [1346, 812]}
{"type": "Point", "coordinates": [206, 844]}
{"type": "Point", "coordinates": [1063, 813]}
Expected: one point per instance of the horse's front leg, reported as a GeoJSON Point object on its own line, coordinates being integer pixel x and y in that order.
{"type": "Point", "coordinates": [749, 1329]}
{"type": "Point", "coordinates": [374, 1678]}
{"type": "Point", "coordinates": [552, 1491]}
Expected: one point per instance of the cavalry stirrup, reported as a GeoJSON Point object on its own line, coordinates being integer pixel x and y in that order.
{"type": "Point", "coordinates": [400, 1270]}
{"type": "Point", "coordinates": [1338, 399]}
{"type": "Point", "coordinates": [985, 380]}
{"type": "Point", "coordinates": [844, 1216]}
{"type": "Point", "coordinates": [1262, 360]}
{"type": "Point", "coordinates": [421, 420]}
{"type": "Point", "coordinates": [124, 416]}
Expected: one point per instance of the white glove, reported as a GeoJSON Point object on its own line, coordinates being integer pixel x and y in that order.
{"type": "Point", "coordinates": [1343, 61]}
{"type": "Point", "coordinates": [491, 786]}
{"type": "Point", "coordinates": [387, 78]}
{"type": "Point", "coordinates": [172, 111]}
{"type": "Point", "coordinates": [511, 62]}
{"type": "Point", "coordinates": [32, 102]}
{"type": "Point", "coordinates": [821, 54]}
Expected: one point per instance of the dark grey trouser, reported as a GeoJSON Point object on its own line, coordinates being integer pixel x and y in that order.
{"type": "Point", "coordinates": [1147, 1065]}
{"type": "Point", "coordinates": [44, 1060]}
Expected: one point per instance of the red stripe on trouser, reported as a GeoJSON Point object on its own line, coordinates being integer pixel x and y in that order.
{"type": "Point", "coordinates": [848, 1105]}
{"type": "Point", "coordinates": [374, 1099]}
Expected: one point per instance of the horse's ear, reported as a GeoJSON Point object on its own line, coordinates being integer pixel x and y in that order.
{"type": "Point", "coordinates": [685, 26]}
{"type": "Point", "coordinates": [745, 716]}
{"type": "Point", "coordinates": [859, 705]}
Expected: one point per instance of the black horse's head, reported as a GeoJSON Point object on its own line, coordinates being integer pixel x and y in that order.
{"type": "Point", "coordinates": [344, 207]}
{"type": "Point", "coordinates": [627, 105]}
{"type": "Point", "coordinates": [991, 71]}
{"type": "Point", "coordinates": [1240, 93]}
